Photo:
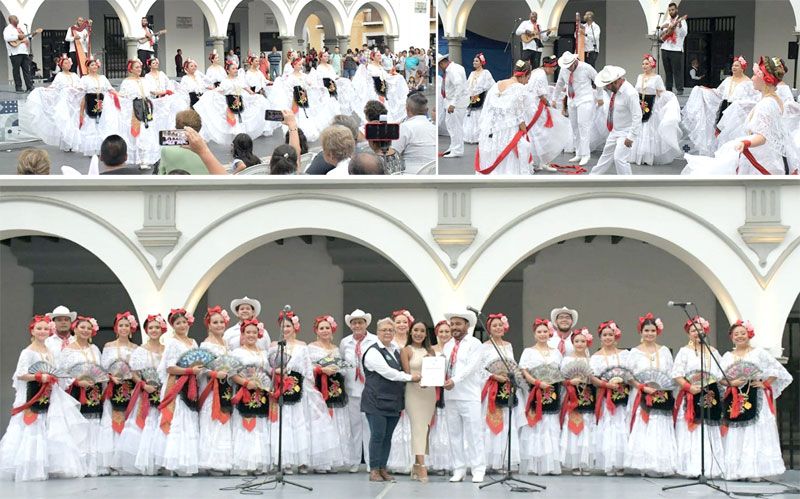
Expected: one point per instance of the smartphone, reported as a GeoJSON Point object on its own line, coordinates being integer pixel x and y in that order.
{"type": "Point", "coordinates": [172, 138]}
{"type": "Point", "coordinates": [382, 131]}
{"type": "Point", "coordinates": [273, 115]}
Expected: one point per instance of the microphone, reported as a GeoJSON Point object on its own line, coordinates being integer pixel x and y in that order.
{"type": "Point", "coordinates": [679, 303]}
{"type": "Point", "coordinates": [474, 311]}
{"type": "Point", "coordinates": [287, 308]}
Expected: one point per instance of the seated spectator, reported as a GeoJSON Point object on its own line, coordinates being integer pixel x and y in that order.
{"type": "Point", "coordinates": [305, 157]}
{"type": "Point", "coordinates": [338, 147]}
{"type": "Point", "coordinates": [185, 159]}
{"type": "Point", "coordinates": [366, 163]}
{"type": "Point", "coordinates": [391, 159]}
{"type": "Point", "coordinates": [242, 150]}
{"type": "Point", "coordinates": [319, 166]}
{"type": "Point", "coordinates": [283, 161]}
{"type": "Point", "coordinates": [113, 155]}
{"type": "Point", "coordinates": [178, 171]}
{"type": "Point", "coordinates": [417, 142]}
{"type": "Point", "coordinates": [33, 162]}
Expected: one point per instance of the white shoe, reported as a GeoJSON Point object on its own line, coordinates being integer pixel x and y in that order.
{"type": "Point", "coordinates": [354, 468]}
{"type": "Point", "coordinates": [144, 167]}
{"type": "Point", "coordinates": [574, 158]}
{"type": "Point", "coordinates": [458, 476]}
{"type": "Point", "coordinates": [576, 472]}
{"type": "Point", "coordinates": [448, 154]}
{"type": "Point", "coordinates": [584, 160]}
{"type": "Point", "coordinates": [477, 477]}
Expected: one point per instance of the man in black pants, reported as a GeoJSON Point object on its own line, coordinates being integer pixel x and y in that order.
{"type": "Point", "coordinates": [532, 50]}
{"type": "Point", "coordinates": [673, 33]}
{"type": "Point", "coordinates": [19, 55]}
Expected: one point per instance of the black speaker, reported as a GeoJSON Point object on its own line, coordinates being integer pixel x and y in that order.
{"type": "Point", "coordinates": [793, 51]}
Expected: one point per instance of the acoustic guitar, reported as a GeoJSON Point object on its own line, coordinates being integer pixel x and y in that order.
{"type": "Point", "coordinates": [17, 43]}
{"type": "Point", "coordinates": [154, 34]}
{"type": "Point", "coordinates": [526, 38]}
{"type": "Point", "coordinates": [671, 28]}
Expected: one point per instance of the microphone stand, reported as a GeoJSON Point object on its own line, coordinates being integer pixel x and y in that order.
{"type": "Point", "coordinates": [655, 46]}
{"type": "Point", "coordinates": [702, 479]}
{"type": "Point", "coordinates": [510, 43]}
{"type": "Point", "coordinates": [508, 476]}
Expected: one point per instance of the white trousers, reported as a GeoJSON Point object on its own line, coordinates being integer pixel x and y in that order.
{"type": "Point", "coordinates": [614, 153]}
{"type": "Point", "coordinates": [581, 118]}
{"type": "Point", "coordinates": [455, 128]}
{"type": "Point", "coordinates": [466, 429]}
{"type": "Point", "coordinates": [359, 431]}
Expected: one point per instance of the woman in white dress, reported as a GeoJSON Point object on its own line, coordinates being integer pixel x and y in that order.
{"type": "Point", "coordinates": [295, 91]}
{"type": "Point", "coordinates": [97, 119]}
{"type": "Point", "coordinates": [97, 448]}
{"type": "Point", "coordinates": [438, 439]}
{"type": "Point", "coordinates": [661, 119]}
{"type": "Point", "coordinates": [373, 82]}
{"type": "Point", "coordinates": [165, 103]}
{"type": "Point", "coordinates": [118, 390]}
{"type": "Point", "coordinates": [215, 73]}
{"type": "Point", "coordinates": [138, 125]}
{"type": "Point", "coordinates": [548, 130]}
{"type": "Point", "coordinates": [651, 444]}
{"type": "Point", "coordinates": [47, 113]}
{"type": "Point", "coordinates": [752, 444]}
{"type": "Point", "coordinates": [504, 146]}
{"type": "Point", "coordinates": [337, 93]}
{"type": "Point", "coordinates": [705, 107]}
{"type": "Point", "coordinates": [578, 425]}
{"type": "Point", "coordinates": [193, 83]}
{"type": "Point", "coordinates": [768, 149]}
{"type": "Point", "coordinates": [495, 396]}
{"type": "Point", "coordinates": [478, 84]}
{"type": "Point", "coordinates": [251, 440]}
{"type": "Point", "coordinates": [611, 406]}
{"type": "Point", "coordinates": [215, 452]}
{"type": "Point", "coordinates": [254, 78]}
{"type": "Point", "coordinates": [178, 418]}
{"type": "Point", "coordinates": [326, 360]}
{"type": "Point", "coordinates": [140, 448]}
{"type": "Point", "coordinates": [46, 429]}
{"type": "Point", "coordinates": [401, 460]}
{"type": "Point", "coordinates": [690, 403]}
{"type": "Point", "coordinates": [540, 429]}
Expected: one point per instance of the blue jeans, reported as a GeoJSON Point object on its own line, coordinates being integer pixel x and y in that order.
{"type": "Point", "coordinates": [381, 429]}
{"type": "Point", "coordinates": [273, 72]}
{"type": "Point", "coordinates": [349, 73]}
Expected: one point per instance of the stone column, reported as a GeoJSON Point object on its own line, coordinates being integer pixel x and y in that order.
{"type": "Point", "coordinates": [343, 43]}
{"type": "Point", "coordinates": [289, 43]}
{"type": "Point", "coordinates": [131, 44]}
{"type": "Point", "coordinates": [330, 43]}
{"type": "Point", "coordinates": [219, 46]}
{"type": "Point", "coordinates": [454, 48]}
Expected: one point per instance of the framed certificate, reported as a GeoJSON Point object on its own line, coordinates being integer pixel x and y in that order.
{"type": "Point", "coordinates": [432, 373]}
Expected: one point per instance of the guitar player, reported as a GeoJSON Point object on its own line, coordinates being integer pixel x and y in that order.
{"type": "Point", "coordinates": [672, 34]}
{"type": "Point", "coordinates": [533, 38]}
{"type": "Point", "coordinates": [147, 44]}
{"type": "Point", "coordinates": [18, 43]}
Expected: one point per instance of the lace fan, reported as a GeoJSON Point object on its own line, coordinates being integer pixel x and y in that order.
{"type": "Point", "coordinates": [88, 371]}
{"type": "Point", "coordinates": [655, 378]}
{"type": "Point", "coordinates": [274, 359]}
{"type": "Point", "coordinates": [45, 368]}
{"type": "Point", "coordinates": [548, 373]}
{"type": "Point", "coordinates": [695, 376]}
{"type": "Point", "coordinates": [196, 357]}
{"type": "Point", "coordinates": [617, 374]}
{"type": "Point", "coordinates": [743, 369]}
{"type": "Point", "coordinates": [577, 369]}
{"type": "Point", "coordinates": [331, 360]}
{"type": "Point", "coordinates": [498, 367]}
{"type": "Point", "coordinates": [227, 363]}
{"type": "Point", "coordinates": [150, 376]}
{"type": "Point", "coordinates": [120, 369]}
{"type": "Point", "coordinates": [256, 375]}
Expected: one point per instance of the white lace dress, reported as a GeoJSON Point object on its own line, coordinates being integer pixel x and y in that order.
{"type": "Point", "coordinates": [166, 107]}
{"type": "Point", "coordinates": [182, 433]}
{"type": "Point", "coordinates": [611, 435]}
{"type": "Point", "coordinates": [500, 119]}
{"type": "Point", "coordinates": [251, 436]}
{"type": "Point", "coordinates": [310, 119]}
{"type": "Point", "coordinates": [477, 84]}
{"type": "Point", "coordinates": [113, 422]}
{"type": "Point", "coordinates": [540, 444]}
{"type": "Point", "coordinates": [396, 91]}
{"type": "Point", "coordinates": [549, 137]}
{"type": "Point", "coordinates": [754, 450]}
{"type": "Point", "coordinates": [651, 443]}
{"type": "Point", "coordinates": [658, 142]}
{"type": "Point", "coordinates": [438, 438]}
{"type": "Point", "coordinates": [577, 449]}
{"type": "Point", "coordinates": [215, 451]}
{"type": "Point", "coordinates": [215, 74]}
{"type": "Point", "coordinates": [342, 102]}
{"type": "Point", "coordinates": [47, 115]}
{"type": "Point", "coordinates": [296, 427]}
{"type": "Point", "coordinates": [93, 130]}
{"type": "Point", "coordinates": [39, 445]}
{"type": "Point", "coordinates": [142, 140]}
{"type": "Point", "coordinates": [220, 125]}
{"type": "Point", "coordinates": [192, 84]}
{"type": "Point", "coordinates": [495, 439]}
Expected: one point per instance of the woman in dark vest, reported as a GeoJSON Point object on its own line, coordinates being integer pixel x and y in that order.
{"type": "Point", "coordinates": [383, 397]}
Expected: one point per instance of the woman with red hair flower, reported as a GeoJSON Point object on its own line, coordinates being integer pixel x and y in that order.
{"type": "Point", "coordinates": [137, 122]}
{"type": "Point", "coordinates": [45, 430]}
{"type": "Point", "coordinates": [578, 422]}
{"type": "Point", "coordinates": [478, 84]}
{"type": "Point", "coordinates": [98, 115]}
{"type": "Point", "coordinates": [752, 444]}
{"type": "Point", "coordinates": [661, 118]}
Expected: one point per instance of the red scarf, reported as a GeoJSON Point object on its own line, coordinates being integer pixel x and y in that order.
{"type": "Point", "coordinates": [494, 416]}
{"type": "Point", "coordinates": [44, 391]}
{"type": "Point", "coordinates": [610, 119]}
{"type": "Point", "coordinates": [570, 87]}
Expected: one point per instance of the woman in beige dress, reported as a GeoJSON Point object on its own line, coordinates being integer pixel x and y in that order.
{"type": "Point", "coordinates": [420, 401]}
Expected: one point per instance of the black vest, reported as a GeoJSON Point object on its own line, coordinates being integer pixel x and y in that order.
{"type": "Point", "coordinates": [381, 396]}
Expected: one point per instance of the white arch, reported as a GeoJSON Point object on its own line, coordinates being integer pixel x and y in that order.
{"type": "Point", "coordinates": [279, 10]}
{"type": "Point", "coordinates": [210, 10]}
{"type": "Point", "coordinates": [29, 8]}
{"type": "Point", "coordinates": [384, 8]}
{"type": "Point", "coordinates": [327, 11]}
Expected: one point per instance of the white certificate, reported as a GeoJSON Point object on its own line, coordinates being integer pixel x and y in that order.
{"type": "Point", "coordinates": [432, 373]}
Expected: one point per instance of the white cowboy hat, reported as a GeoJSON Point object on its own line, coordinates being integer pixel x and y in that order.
{"type": "Point", "coordinates": [464, 314]}
{"type": "Point", "coordinates": [357, 314]}
{"type": "Point", "coordinates": [563, 310]}
{"type": "Point", "coordinates": [440, 57]}
{"type": "Point", "coordinates": [246, 301]}
{"type": "Point", "coordinates": [608, 74]}
{"type": "Point", "coordinates": [566, 59]}
{"type": "Point", "coordinates": [62, 311]}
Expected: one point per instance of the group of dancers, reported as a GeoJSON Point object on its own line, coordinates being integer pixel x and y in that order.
{"type": "Point", "coordinates": [171, 405]}
{"type": "Point", "coordinates": [76, 113]}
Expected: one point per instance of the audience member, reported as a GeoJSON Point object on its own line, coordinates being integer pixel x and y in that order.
{"type": "Point", "coordinates": [113, 155]}
{"type": "Point", "coordinates": [417, 142]}
{"type": "Point", "coordinates": [366, 163]}
{"type": "Point", "coordinates": [338, 147]}
{"type": "Point", "coordinates": [242, 150]}
{"type": "Point", "coordinates": [33, 162]}
{"type": "Point", "coordinates": [179, 157]}
{"type": "Point", "coordinates": [283, 160]}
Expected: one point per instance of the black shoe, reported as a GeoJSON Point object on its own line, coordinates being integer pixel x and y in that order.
{"type": "Point", "coordinates": [19, 91]}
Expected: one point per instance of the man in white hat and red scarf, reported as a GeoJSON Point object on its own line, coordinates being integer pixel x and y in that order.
{"type": "Point", "coordinates": [455, 95]}
{"type": "Point", "coordinates": [245, 309]}
{"type": "Point", "coordinates": [63, 318]}
{"type": "Point", "coordinates": [577, 78]}
{"type": "Point", "coordinates": [563, 319]}
{"type": "Point", "coordinates": [352, 349]}
{"type": "Point", "coordinates": [624, 121]}
{"type": "Point", "coordinates": [462, 397]}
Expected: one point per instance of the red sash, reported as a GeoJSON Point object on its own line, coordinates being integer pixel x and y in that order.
{"type": "Point", "coordinates": [141, 398]}
{"type": "Point", "coordinates": [688, 415]}
{"type": "Point", "coordinates": [167, 406]}
{"type": "Point", "coordinates": [603, 397]}
{"type": "Point", "coordinates": [535, 396]}
{"type": "Point", "coordinates": [30, 416]}
{"type": "Point", "coordinates": [575, 420]}
{"type": "Point", "coordinates": [494, 416]}
{"type": "Point", "coordinates": [217, 413]}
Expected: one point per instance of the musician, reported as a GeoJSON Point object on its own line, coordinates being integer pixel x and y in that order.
{"type": "Point", "coordinates": [673, 33]}
{"type": "Point", "coordinates": [591, 38]}
{"type": "Point", "coordinates": [147, 42]}
{"type": "Point", "coordinates": [19, 55]}
{"type": "Point", "coordinates": [79, 31]}
{"type": "Point", "coordinates": [532, 50]}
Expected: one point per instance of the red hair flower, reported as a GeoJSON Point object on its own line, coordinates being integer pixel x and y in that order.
{"type": "Point", "coordinates": [612, 326]}
{"type": "Point", "coordinates": [539, 321]}
{"type": "Point", "coordinates": [175, 313]}
{"type": "Point", "coordinates": [503, 320]}
{"type": "Point", "coordinates": [42, 318]}
{"type": "Point", "coordinates": [326, 318]}
{"type": "Point", "coordinates": [697, 320]}
{"type": "Point", "coordinates": [291, 317]}
{"type": "Point", "coordinates": [216, 310]}
{"type": "Point", "coordinates": [649, 317]}
{"type": "Point", "coordinates": [650, 60]}
{"type": "Point", "coordinates": [253, 322]}
{"type": "Point", "coordinates": [405, 312]}
{"type": "Point", "coordinates": [746, 325]}
{"type": "Point", "coordinates": [91, 320]}
{"type": "Point", "coordinates": [129, 317]}
{"type": "Point", "coordinates": [157, 318]}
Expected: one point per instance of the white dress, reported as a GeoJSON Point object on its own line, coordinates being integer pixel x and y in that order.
{"type": "Point", "coordinates": [495, 440]}
{"type": "Point", "coordinates": [577, 450]}
{"type": "Point", "coordinates": [215, 451]}
{"type": "Point", "coordinates": [220, 124]}
{"type": "Point", "coordinates": [539, 445]}
{"type": "Point", "coordinates": [142, 142]}
{"type": "Point", "coordinates": [345, 102]}
{"type": "Point", "coordinates": [50, 445]}
{"type": "Point", "coordinates": [658, 142]}
{"type": "Point", "coordinates": [339, 415]}
{"type": "Point", "coordinates": [98, 447]}
{"type": "Point", "coordinates": [256, 80]}
{"type": "Point", "coordinates": [193, 84]}
{"type": "Point", "coordinates": [401, 458]}
{"type": "Point", "coordinates": [182, 436]}
{"type": "Point", "coordinates": [755, 450]}
{"type": "Point", "coordinates": [396, 91]}
{"type": "Point", "coordinates": [47, 114]}
{"type": "Point", "coordinates": [215, 74]}
{"type": "Point", "coordinates": [141, 450]}
{"type": "Point", "coordinates": [651, 444]}
{"type": "Point", "coordinates": [688, 440]}
{"type": "Point", "coordinates": [309, 119]}
{"type": "Point", "coordinates": [296, 428]}
{"type": "Point", "coordinates": [765, 119]}
{"type": "Point", "coordinates": [477, 84]}
{"type": "Point", "coordinates": [112, 431]}
{"type": "Point", "coordinates": [439, 438]}
{"type": "Point", "coordinates": [611, 435]}
{"type": "Point", "coordinates": [501, 116]}
{"type": "Point", "coordinates": [93, 130]}
{"type": "Point", "coordinates": [166, 107]}
{"type": "Point", "coordinates": [251, 439]}
{"type": "Point", "coordinates": [548, 139]}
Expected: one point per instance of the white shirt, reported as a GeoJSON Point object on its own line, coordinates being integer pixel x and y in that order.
{"type": "Point", "coordinates": [11, 34]}
{"type": "Point", "coordinates": [54, 344]}
{"type": "Point", "coordinates": [681, 32]}
{"type": "Point", "coordinates": [417, 142]}
{"type": "Point", "coordinates": [555, 340]}
{"type": "Point", "coordinates": [466, 374]}
{"type": "Point", "coordinates": [627, 111]}
{"type": "Point", "coordinates": [386, 62]}
{"type": "Point", "coordinates": [455, 87]}
{"type": "Point", "coordinates": [374, 361]}
{"type": "Point", "coordinates": [341, 169]}
{"type": "Point", "coordinates": [581, 83]}
{"type": "Point", "coordinates": [347, 348]}
{"type": "Point", "coordinates": [693, 74]}
{"type": "Point", "coordinates": [531, 45]}
{"type": "Point", "coordinates": [233, 336]}
{"type": "Point", "coordinates": [591, 39]}
{"type": "Point", "coordinates": [146, 44]}
{"type": "Point", "coordinates": [82, 35]}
